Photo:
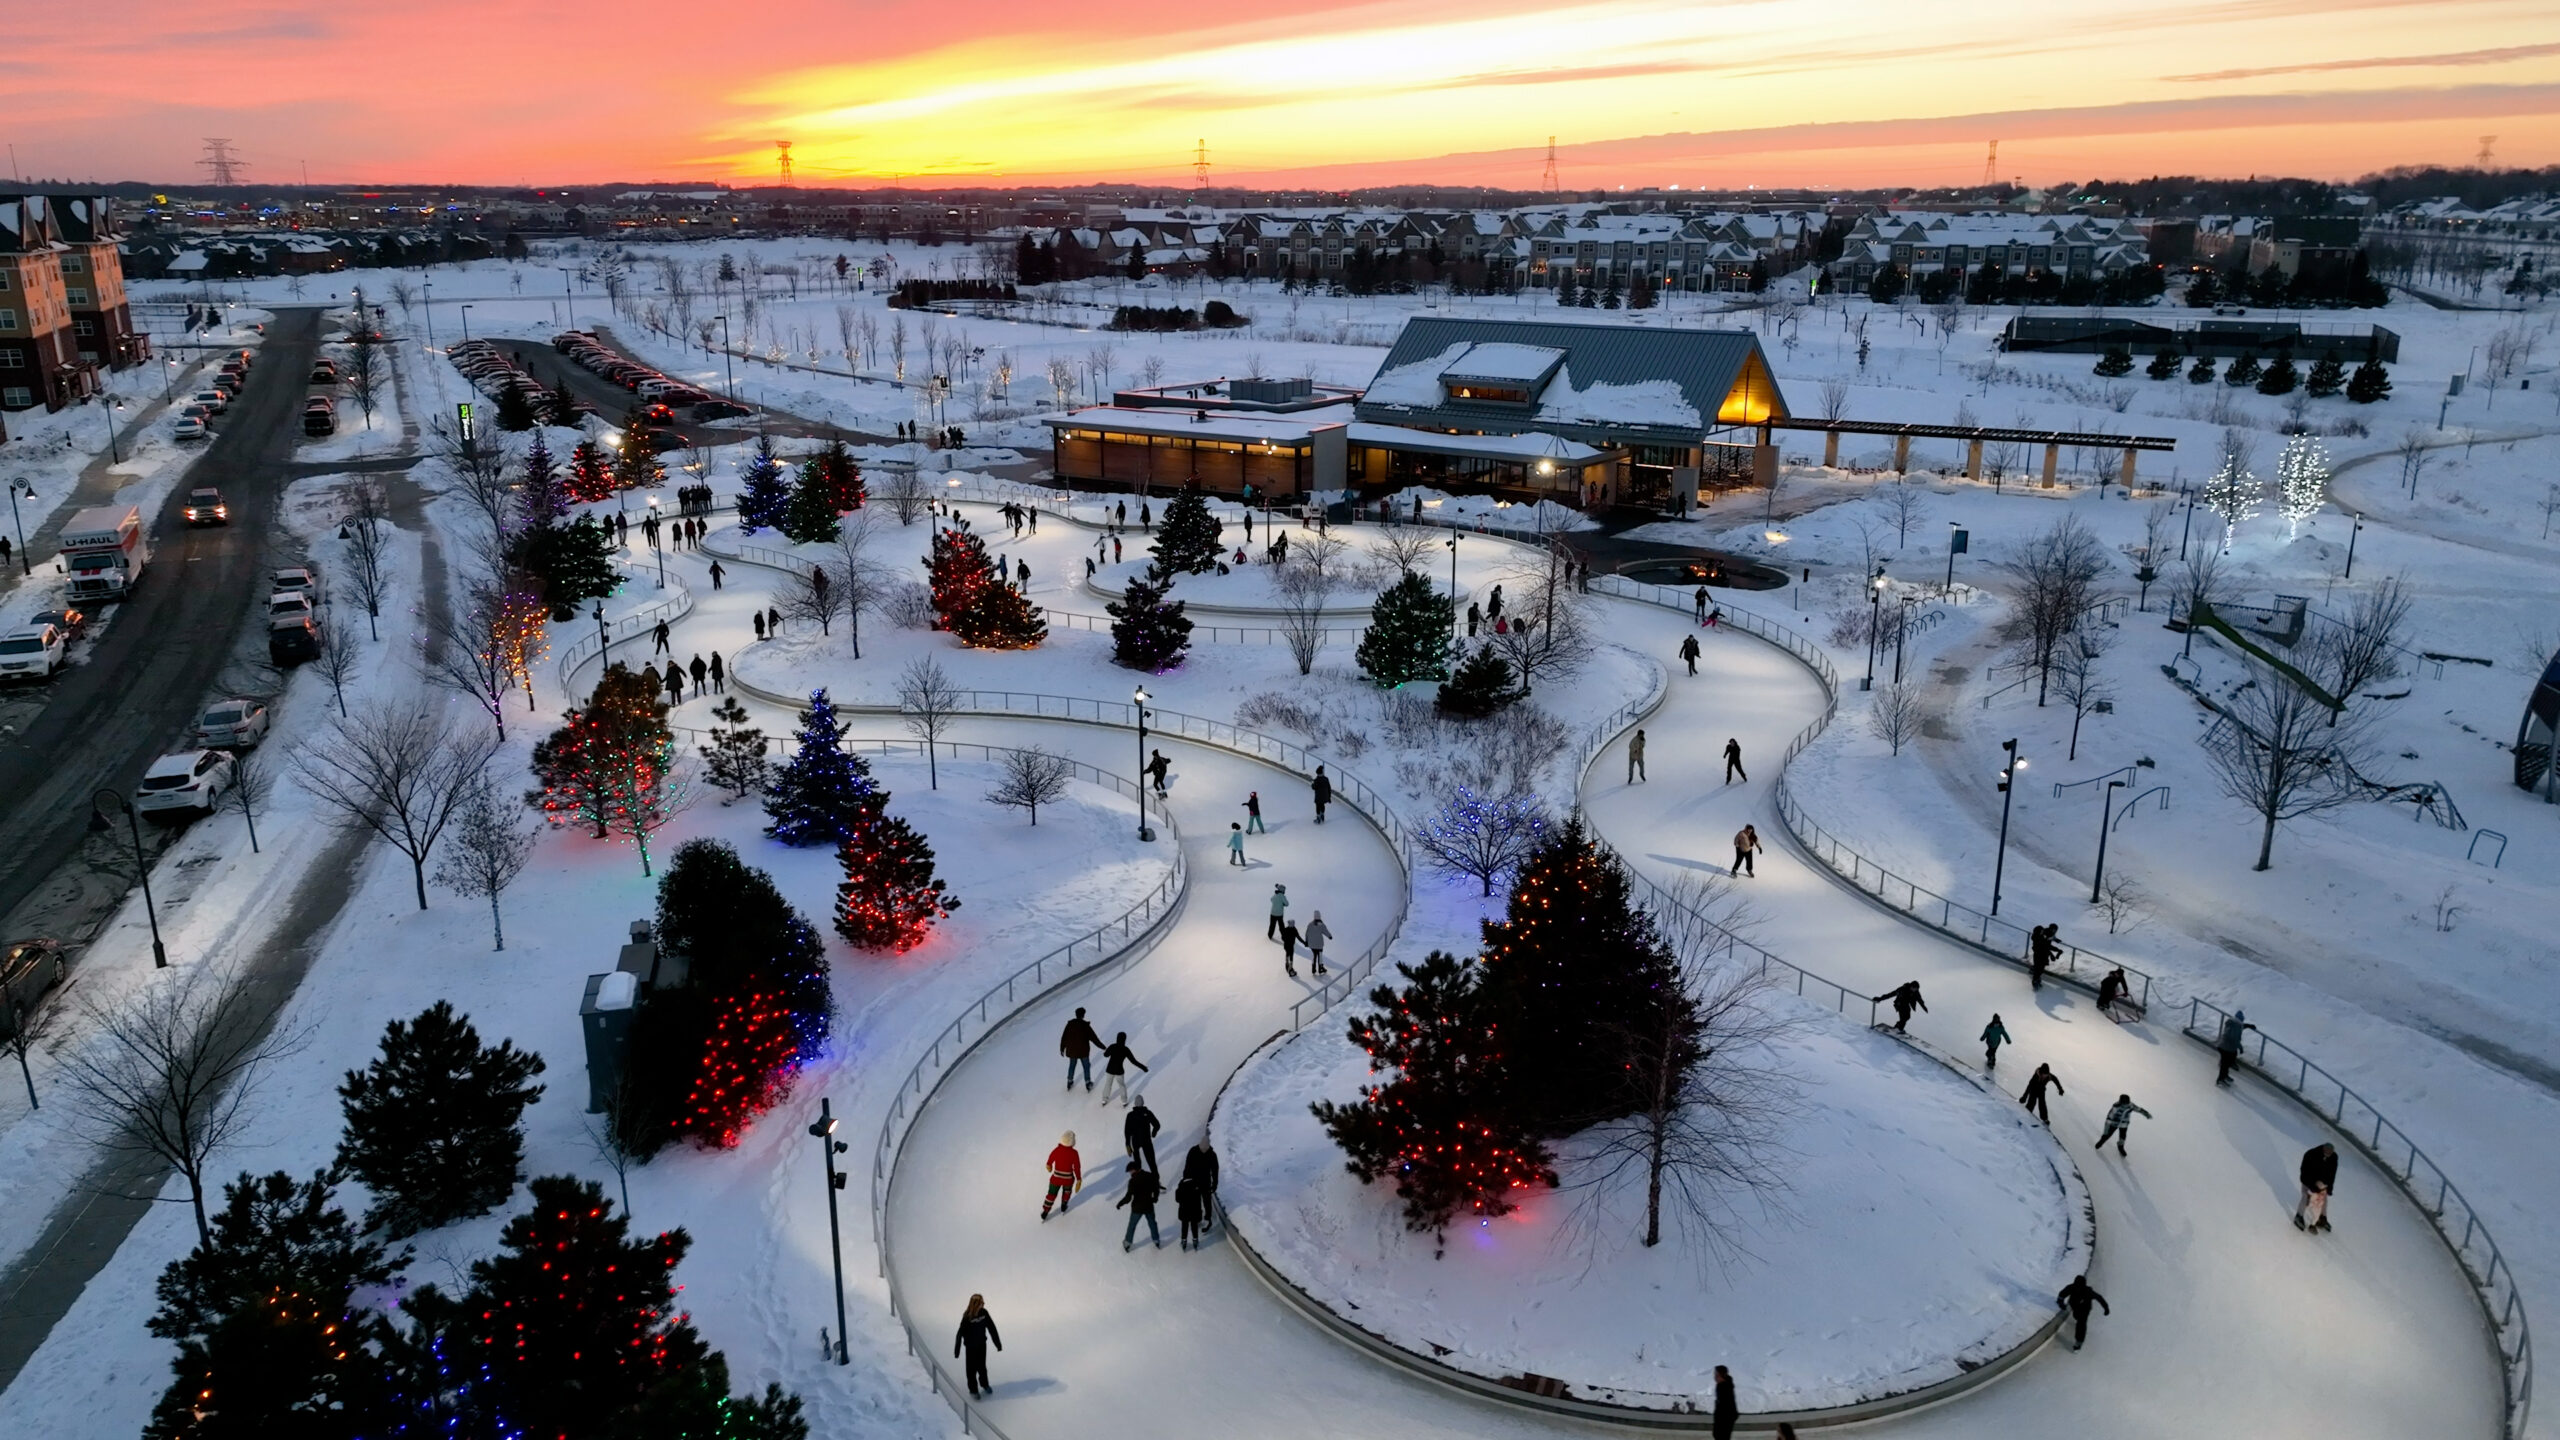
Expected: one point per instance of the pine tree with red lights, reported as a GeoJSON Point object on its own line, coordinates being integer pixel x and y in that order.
{"type": "Point", "coordinates": [843, 477]}
{"type": "Point", "coordinates": [572, 1330]}
{"type": "Point", "coordinates": [1570, 967]}
{"type": "Point", "coordinates": [1432, 1126]}
{"type": "Point", "coordinates": [635, 462]}
{"type": "Point", "coordinates": [590, 474]}
{"type": "Point", "coordinates": [974, 603]}
{"type": "Point", "coordinates": [890, 899]}
{"type": "Point", "coordinates": [604, 753]}
{"type": "Point", "coordinates": [811, 517]}
{"type": "Point", "coordinates": [763, 492]}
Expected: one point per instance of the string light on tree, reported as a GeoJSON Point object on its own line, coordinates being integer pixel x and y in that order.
{"type": "Point", "coordinates": [2302, 480]}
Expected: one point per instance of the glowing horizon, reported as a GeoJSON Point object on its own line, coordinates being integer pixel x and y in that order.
{"type": "Point", "coordinates": [1333, 94]}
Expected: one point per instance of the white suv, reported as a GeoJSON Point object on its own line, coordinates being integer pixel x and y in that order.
{"type": "Point", "coordinates": [187, 780]}
{"type": "Point", "coordinates": [33, 654]}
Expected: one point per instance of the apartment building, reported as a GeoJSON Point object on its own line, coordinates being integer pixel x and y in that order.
{"type": "Point", "coordinates": [2073, 247]}
{"type": "Point", "coordinates": [93, 283]}
{"type": "Point", "coordinates": [40, 353]}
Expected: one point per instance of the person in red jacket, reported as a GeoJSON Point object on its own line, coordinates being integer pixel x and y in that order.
{"type": "Point", "coordinates": [1066, 1175]}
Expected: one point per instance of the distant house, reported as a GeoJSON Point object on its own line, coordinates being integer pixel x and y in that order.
{"type": "Point", "coordinates": [41, 354]}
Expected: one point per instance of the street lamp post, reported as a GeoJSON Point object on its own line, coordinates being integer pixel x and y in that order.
{"type": "Point", "coordinates": [1141, 697]}
{"type": "Point", "coordinates": [17, 488]}
{"type": "Point", "coordinates": [828, 1148]}
{"type": "Point", "coordinates": [604, 642]}
{"type": "Point", "coordinates": [2008, 794]}
{"type": "Point", "coordinates": [1901, 634]}
{"type": "Point", "coordinates": [1453, 582]}
{"type": "Point", "coordinates": [427, 303]}
{"type": "Point", "coordinates": [2106, 815]}
{"type": "Point", "coordinates": [108, 405]}
{"type": "Point", "coordinates": [726, 366]}
{"type": "Point", "coordinates": [2188, 526]}
{"type": "Point", "coordinates": [1875, 612]}
{"type": "Point", "coordinates": [466, 322]}
{"type": "Point", "coordinates": [569, 287]}
{"type": "Point", "coordinates": [141, 867]}
{"type": "Point", "coordinates": [654, 545]}
{"type": "Point", "coordinates": [2358, 529]}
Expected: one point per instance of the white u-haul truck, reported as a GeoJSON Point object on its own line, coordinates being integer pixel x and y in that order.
{"type": "Point", "coordinates": [104, 548]}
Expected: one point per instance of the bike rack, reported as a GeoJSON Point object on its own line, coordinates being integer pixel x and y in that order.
{"type": "Point", "coordinates": [2473, 854]}
{"type": "Point", "coordinates": [2130, 805]}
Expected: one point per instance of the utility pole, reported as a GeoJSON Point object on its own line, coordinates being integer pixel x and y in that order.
{"type": "Point", "coordinates": [828, 1148]}
{"type": "Point", "coordinates": [2106, 816]}
{"type": "Point", "coordinates": [2008, 795]}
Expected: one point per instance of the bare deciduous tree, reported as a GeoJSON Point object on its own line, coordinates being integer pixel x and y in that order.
{"type": "Point", "coordinates": [2057, 572]}
{"type": "Point", "coordinates": [366, 371]}
{"type": "Point", "coordinates": [2077, 679]}
{"type": "Point", "coordinates": [2123, 903]}
{"type": "Point", "coordinates": [2365, 648]}
{"type": "Point", "coordinates": [493, 838]}
{"type": "Point", "coordinates": [469, 657]}
{"type": "Point", "coordinates": [813, 595]}
{"type": "Point", "coordinates": [338, 661]}
{"type": "Point", "coordinates": [866, 582]}
{"type": "Point", "coordinates": [1897, 714]}
{"type": "Point", "coordinates": [928, 700]}
{"type": "Point", "coordinates": [1482, 837]}
{"type": "Point", "coordinates": [367, 527]}
{"type": "Point", "coordinates": [906, 492]}
{"type": "Point", "coordinates": [480, 466]}
{"type": "Point", "coordinates": [1403, 545]}
{"type": "Point", "coordinates": [2198, 587]}
{"type": "Point", "coordinates": [2412, 451]}
{"type": "Point", "coordinates": [1903, 503]}
{"type": "Point", "coordinates": [1304, 589]}
{"type": "Point", "coordinates": [170, 1071]}
{"type": "Point", "coordinates": [1835, 399]}
{"type": "Point", "coordinates": [2282, 753]}
{"type": "Point", "coordinates": [1031, 778]}
{"type": "Point", "coordinates": [1548, 635]}
{"type": "Point", "coordinates": [253, 782]}
{"type": "Point", "coordinates": [398, 772]}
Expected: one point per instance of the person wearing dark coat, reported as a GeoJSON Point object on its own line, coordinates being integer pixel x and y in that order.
{"type": "Point", "coordinates": [675, 682]}
{"type": "Point", "coordinates": [1475, 618]}
{"type": "Point", "coordinates": [719, 675]}
{"type": "Point", "coordinates": [2111, 989]}
{"type": "Point", "coordinates": [1139, 1131]}
{"type": "Point", "coordinates": [1728, 1410]}
{"type": "Point", "coordinates": [1905, 998]}
{"type": "Point", "coordinates": [2077, 1297]}
{"type": "Point", "coordinates": [2319, 1179]}
{"type": "Point", "coordinates": [701, 675]}
{"type": "Point", "coordinates": [1289, 947]}
{"type": "Point", "coordinates": [1201, 1168]}
{"type": "Point", "coordinates": [1191, 1207]}
{"type": "Point", "coordinates": [2040, 948]}
{"type": "Point", "coordinates": [1689, 652]}
{"type": "Point", "coordinates": [1994, 1035]}
{"type": "Point", "coordinates": [977, 1331]}
{"type": "Point", "coordinates": [1157, 769]}
{"type": "Point", "coordinates": [661, 636]}
{"type": "Point", "coordinates": [1116, 1058]}
{"type": "Point", "coordinates": [1733, 761]}
{"type": "Point", "coordinates": [1077, 1044]}
{"type": "Point", "coordinates": [1140, 1201]}
{"type": "Point", "coordinates": [759, 624]}
{"type": "Point", "coordinates": [2227, 1044]}
{"type": "Point", "coordinates": [2037, 1084]}
{"type": "Point", "coordinates": [1322, 788]}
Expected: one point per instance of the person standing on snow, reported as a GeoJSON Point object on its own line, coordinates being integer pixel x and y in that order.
{"type": "Point", "coordinates": [1066, 1175]}
{"type": "Point", "coordinates": [1746, 844]}
{"type": "Point", "coordinates": [2227, 1044]}
{"type": "Point", "coordinates": [977, 1329]}
{"type": "Point", "coordinates": [1728, 1410]}
{"type": "Point", "coordinates": [1139, 1132]}
{"type": "Point", "coordinates": [1235, 843]}
{"type": "Point", "coordinates": [1689, 652]}
{"type": "Point", "coordinates": [1635, 758]}
{"type": "Point", "coordinates": [1190, 1207]}
{"type": "Point", "coordinates": [2120, 1122]}
{"type": "Point", "coordinates": [1994, 1035]}
{"type": "Point", "coordinates": [2319, 1179]}
{"type": "Point", "coordinates": [1317, 934]}
{"type": "Point", "coordinates": [1322, 788]}
{"type": "Point", "coordinates": [1116, 1058]}
{"type": "Point", "coordinates": [1253, 813]}
{"type": "Point", "coordinates": [1201, 1167]}
{"type": "Point", "coordinates": [1905, 998]}
{"type": "Point", "coordinates": [1279, 908]}
{"type": "Point", "coordinates": [2037, 1084]}
{"type": "Point", "coordinates": [2077, 1297]}
{"type": "Point", "coordinates": [1076, 1043]}
{"type": "Point", "coordinates": [1733, 761]}
{"type": "Point", "coordinates": [1289, 947]}
{"type": "Point", "coordinates": [1475, 618]}
{"type": "Point", "coordinates": [1140, 1198]}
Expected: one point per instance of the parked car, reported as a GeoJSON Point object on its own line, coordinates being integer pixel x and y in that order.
{"type": "Point", "coordinates": [214, 401]}
{"type": "Point", "coordinates": [34, 653]}
{"type": "Point", "coordinates": [324, 372]}
{"type": "Point", "coordinates": [187, 427]}
{"type": "Point", "coordinates": [293, 642]}
{"type": "Point", "coordinates": [185, 780]}
{"type": "Point", "coordinates": [28, 969]}
{"type": "Point", "coordinates": [295, 579]}
{"type": "Point", "coordinates": [288, 607]}
{"type": "Point", "coordinates": [205, 507]}
{"type": "Point", "coordinates": [67, 620]}
{"type": "Point", "coordinates": [320, 419]}
{"type": "Point", "coordinates": [231, 725]}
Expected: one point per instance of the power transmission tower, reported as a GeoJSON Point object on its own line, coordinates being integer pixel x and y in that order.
{"type": "Point", "coordinates": [1991, 166]}
{"type": "Point", "coordinates": [2487, 144]}
{"type": "Point", "coordinates": [1200, 165]}
{"type": "Point", "coordinates": [782, 148]}
{"type": "Point", "coordinates": [1548, 181]}
{"type": "Point", "coordinates": [218, 162]}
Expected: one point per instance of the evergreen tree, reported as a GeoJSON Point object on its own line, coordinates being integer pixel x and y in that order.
{"type": "Point", "coordinates": [2370, 383]}
{"type": "Point", "coordinates": [1572, 964]}
{"type": "Point", "coordinates": [572, 562]}
{"type": "Point", "coordinates": [2244, 372]}
{"type": "Point", "coordinates": [2163, 365]}
{"type": "Point", "coordinates": [2328, 376]}
{"type": "Point", "coordinates": [1187, 540]}
{"type": "Point", "coordinates": [844, 477]}
{"type": "Point", "coordinates": [817, 795]}
{"type": "Point", "coordinates": [540, 498]}
{"type": "Point", "coordinates": [1759, 277]}
{"type": "Point", "coordinates": [583, 764]}
{"type": "Point", "coordinates": [564, 406]}
{"type": "Point", "coordinates": [976, 605]}
{"type": "Point", "coordinates": [1433, 1124]}
{"type": "Point", "coordinates": [272, 1341]}
{"type": "Point", "coordinates": [1640, 295]}
{"type": "Point", "coordinates": [735, 759]}
{"type": "Point", "coordinates": [572, 1329]}
{"type": "Point", "coordinates": [2117, 361]}
{"type": "Point", "coordinates": [809, 517]}
{"type": "Point", "coordinates": [635, 461]}
{"type": "Point", "coordinates": [590, 474]}
{"type": "Point", "coordinates": [2205, 291]}
{"type": "Point", "coordinates": [1588, 297]}
{"type": "Point", "coordinates": [763, 494]}
{"type": "Point", "coordinates": [1565, 291]}
{"type": "Point", "coordinates": [890, 899]}
{"type": "Point", "coordinates": [1483, 683]}
{"type": "Point", "coordinates": [1886, 285]}
{"type": "Point", "coordinates": [2201, 372]}
{"type": "Point", "coordinates": [1609, 296]}
{"type": "Point", "coordinates": [435, 1125]}
{"type": "Point", "coordinates": [1148, 631]}
{"type": "Point", "coordinates": [515, 410]}
{"type": "Point", "coordinates": [1408, 634]}
{"type": "Point", "coordinates": [723, 1048]}
{"type": "Point", "coordinates": [2281, 377]}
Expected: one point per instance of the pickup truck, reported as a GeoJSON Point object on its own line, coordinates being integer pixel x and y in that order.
{"type": "Point", "coordinates": [105, 548]}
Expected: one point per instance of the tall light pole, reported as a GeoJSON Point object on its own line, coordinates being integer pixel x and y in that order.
{"type": "Point", "coordinates": [1875, 612]}
{"type": "Point", "coordinates": [604, 642]}
{"type": "Point", "coordinates": [828, 1148]}
{"type": "Point", "coordinates": [2351, 548]}
{"type": "Point", "coordinates": [569, 287]}
{"type": "Point", "coordinates": [108, 405]}
{"type": "Point", "coordinates": [17, 488]}
{"type": "Point", "coordinates": [98, 821]}
{"type": "Point", "coordinates": [727, 367]}
{"type": "Point", "coordinates": [1141, 697]}
{"type": "Point", "coordinates": [427, 303]}
{"type": "Point", "coordinates": [2106, 817]}
{"type": "Point", "coordinates": [1453, 582]}
{"type": "Point", "coordinates": [653, 542]}
{"type": "Point", "coordinates": [466, 322]}
{"type": "Point", "coordinates": [2008, 794]}
{"type": "Point", "coordinates": [2187, 527]}
{"type": "Point", "coordinates": [1901, 634]}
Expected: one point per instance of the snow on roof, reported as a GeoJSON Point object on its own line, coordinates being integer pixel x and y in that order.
{"type": "Point", "coordinates": [1252, 428]}
{"type": "Point", "coordinates": [1499, 361]}
{"type": "Point", "coordinates": [1529, 447]}
{"type": "Point", "coordinates": [1612, 378]}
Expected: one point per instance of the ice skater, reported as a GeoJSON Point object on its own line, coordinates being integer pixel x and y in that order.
{"type": "Point", "coordinates": [2077, 1297]}
{"type": "Point", "coordinates": [1289, 947]}
{"type": "Point", "coordinates": [1905, 998]}
{"type": "Point", "coordinates": [1733, 761]}
{"type": "Point", "coordinates": [1746, 845]}
{"type": "Point", "coordinates": [1116, 1058]}
{"type": "Point", "coordinates": [1077, 1044]}
{"type": "Point", "coordinates": [2111, 989]}
{"type": "Point", "coordinates": [1235, 843]}
{"type": "Point", "coordinates": [2119, 1126]}
{"type": "Point", "coordinates": [1066, 1175]}
{"type": "Point", "coordinates": [1139, 1132]}
{"type": "Point", "coordinates": [1728, 1410]}
{"type": "Point", "coordinates": [1689, 652]}
{"type": "Point", "coordinates": [2033, 1096]}
{"type": "Point", "coordinates": [1699, 603]}
{"type": "Point", "coordinates": [1994, 1035]}
{"type": "Point", "coordinates": [1157, 769]}
{"type": "Point", "coordinates": [1140, 1200]}
{"type": "Point", "coordinates": [1322, 789]}
{"type": "Point", "coordinates": [1635, 758]}
{"type": "Point", "coordinates": [2227, 1044]}
{"type": "Point", "coordinates": [977, 1331]}
{"type": "Point", "coordinates": [2043, 943]}
{"type": "Point", "coordinates": [2319, 1179]}
{"type": "Point", "coordinates": [1191, 1208]}
{"type": "Point", "coordinates": [1253, 813]}
{"type": "Point", "coordinates": [1200, 1166]}
{"type": "Point", "coordinates": [1317, 933]}
{"type": "Point", "coordinates": [661, 634]}
{"type": "Point", "coordinates": [1279, 910]}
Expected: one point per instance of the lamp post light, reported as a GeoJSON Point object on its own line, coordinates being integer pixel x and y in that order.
{"type": "Point", "coordinates": [2106, 816]}
{"type": "Point", "coordinates": [466, 323]}
{"type": "Point", "coordinates": [1453, 582]}
{"type": "Point", "coordinates": [2187, 527]}
{"type": "Point", "coordinates": [2008, 795]}
{"type": "Point", "coordinates": [427, 303]}
{"type": "Point", "coordinates": [98, 821]}
{"type": "Point", "coordinates": [726, 366]}
{"type": "Point", "coordinates": [107, 406]}
{"type": "Point", "coordinates": [829, 1147]}
{"type": "Point", "coordinates": [653, 542]}
{"type": "Point", "coordinates": [1875, 612]}
{"type": "Point", "coordinates": [1901, 634]}
{"type": "Point", "coordinates": [604, 642]}
{"type": "Point", "coordinates": [2352, 533]}
{"type": "Point", "coordinates": [569, 287]}
{"type": "Point", "coordinates": [17, 488]}
{"type": "Point", "coordinates": [1141, 697]}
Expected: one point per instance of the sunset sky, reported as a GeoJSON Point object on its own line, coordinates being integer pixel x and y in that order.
{"type": "Point", "coordinates": [1323, 92]}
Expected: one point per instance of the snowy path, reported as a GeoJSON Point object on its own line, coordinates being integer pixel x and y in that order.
{"type": "Point", "coordinates": [2227, 1321]}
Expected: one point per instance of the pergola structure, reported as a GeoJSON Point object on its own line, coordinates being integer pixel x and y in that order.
{"type": "Point", "coordinates": [1975, 437]}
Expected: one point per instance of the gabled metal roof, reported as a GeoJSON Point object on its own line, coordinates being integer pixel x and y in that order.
{"type": "Point", "coordinates": [1616, 384]}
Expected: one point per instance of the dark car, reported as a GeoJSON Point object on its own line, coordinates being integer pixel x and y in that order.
{"type": "Point", "coordinates": [205, 507]}
{"type": "Point", "coordinates": [28, 968]}
{"type": "Point", "coordinates": [319, 417]}
{"type": "Point", "coordinates": [293, 643]}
